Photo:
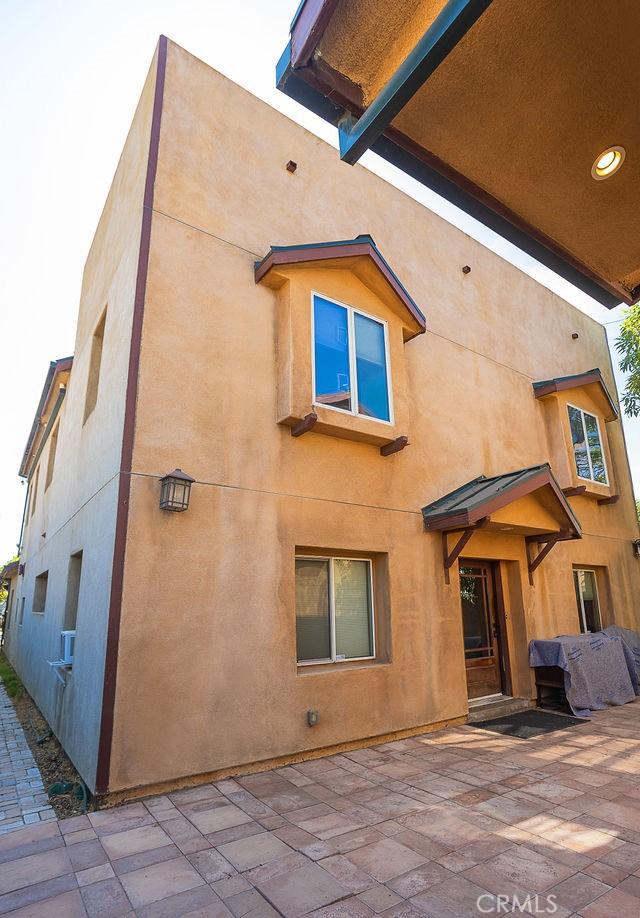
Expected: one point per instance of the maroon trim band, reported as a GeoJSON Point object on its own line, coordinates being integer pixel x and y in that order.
{"type": "Point", "coordinates": [124, 486]}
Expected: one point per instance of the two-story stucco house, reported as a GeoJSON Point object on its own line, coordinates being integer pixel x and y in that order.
{"type": "Point", "coordinates": [402, 460]}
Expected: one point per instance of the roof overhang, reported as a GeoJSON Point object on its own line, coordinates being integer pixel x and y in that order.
{"type": "Point", "coordinates": [479, 499]}
{"type": "Point", "coordinates": [591, 382]}
{"type": "Point", "coordinates": [9, 571]}
{"type": "Point", "coordinates": [462, 95]}
{"type": "Point", "coordinates": [360, 255]}
{"type": "Point", "coordinates": [57, 376]}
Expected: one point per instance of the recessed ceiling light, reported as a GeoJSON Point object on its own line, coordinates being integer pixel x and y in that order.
{"type": "Point", "coordinates": [608, 163]}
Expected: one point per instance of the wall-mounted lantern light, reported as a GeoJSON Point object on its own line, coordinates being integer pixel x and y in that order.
{"type": "Point", "coordinates": [174, 490]}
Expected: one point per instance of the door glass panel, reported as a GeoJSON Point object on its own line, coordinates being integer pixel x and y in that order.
{"type": "Point", "coordinates": [579, 444]}
{"type": "Point", "coordinates": [371, 368]}
{"type": "Point", "coordinates": [313, 632]}
{"type": "Point", "coordinates": [352, 598]}
{"type": "Point", "coordinates": [478, 638]}
{"type": "Point", "coordinates": [587, 597]}
{"type": "Point", "coordinates": [331, 349]}
{"type": "Point", "coordinates": [595, 449]}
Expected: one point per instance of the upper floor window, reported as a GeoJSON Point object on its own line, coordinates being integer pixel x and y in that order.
{"type": "Point", "coordinates": [350, 361]}
{"type": "Point", "coordinates": [40, 593]}
{"type": "Point", "coordinates": [334, 610]}
{"type": "Point", "coordinates": [587, 445]}
{"type": "Point", "coordinates": [94, 367]}
{"type": "Point", "coordinates": [53, 446]}
{"type": "Point", "coordinates": [34, 495]}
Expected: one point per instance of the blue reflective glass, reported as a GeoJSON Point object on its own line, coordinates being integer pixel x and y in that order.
{"type": "Point", "coordinates": [595, 448]}
{"type": "Point", "coordinates": [579, 444]}
{"type": "Point", "coordinates": [331, 347]}
{"type": "Point", "coordinates": [371, 368]}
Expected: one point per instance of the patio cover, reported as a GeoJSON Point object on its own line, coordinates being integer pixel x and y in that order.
{"type": "Point", "coordinates": [501, 107]}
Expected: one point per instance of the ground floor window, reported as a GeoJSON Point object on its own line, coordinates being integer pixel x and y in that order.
{"type": "Point", "coordinates": [334, 610]}
{"type": "Point", "coordinates": [587, 598]}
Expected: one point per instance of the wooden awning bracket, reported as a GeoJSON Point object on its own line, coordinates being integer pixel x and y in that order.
{"type": "Point", "coordinates": [305, 425]}
{"type": "Point", "coordinates": [449, 557]}
{"type": "Point", "coordinates": [549, 542]}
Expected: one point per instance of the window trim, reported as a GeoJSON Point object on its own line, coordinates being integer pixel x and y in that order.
{"type": "Point", "coordinates": [593, 480]}
{"type": "Point", "coordinates": [583, 620]}
{"type": "Point", "coordinates": [332, 661]}
{"type": "Point", "coordinates": [351, 311]}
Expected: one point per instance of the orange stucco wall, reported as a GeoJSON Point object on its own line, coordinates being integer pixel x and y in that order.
{"type": "Point", "coordinates": [207, 674]}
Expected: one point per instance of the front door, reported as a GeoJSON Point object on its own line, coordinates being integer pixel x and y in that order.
{"type": "Point", "coordinates": [481, 629]}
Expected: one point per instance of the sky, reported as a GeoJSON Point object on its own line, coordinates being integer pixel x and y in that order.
{"type": "Point", "coordinates": [71, 72]}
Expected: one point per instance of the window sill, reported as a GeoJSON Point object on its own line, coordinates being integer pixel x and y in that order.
{"type": "Point", "coordinates": [592, 490]}
{"type": "Point", "coordinates": [308, 669]}
{"type": "Point", "coordinates": [349, 426]}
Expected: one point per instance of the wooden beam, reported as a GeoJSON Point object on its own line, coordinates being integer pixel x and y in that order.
{"type": "Point", "coordinates": [394, 447]}
{"type": "Point", "coordinates": [449, 557]}
{"type": "Point", "coordinates": [573, 492]}
{"type": "Point", "coordinates": [549, 542]}
{"type": "Point", "coordinates": [608, 501]}
{"type": "Point", "coordinates": [305, 425]}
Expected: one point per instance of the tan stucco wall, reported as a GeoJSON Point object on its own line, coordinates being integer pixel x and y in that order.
{"type": "Point", "coordinates": [207, 675]}
{"type": "Point", "coordinates": [78, 510]}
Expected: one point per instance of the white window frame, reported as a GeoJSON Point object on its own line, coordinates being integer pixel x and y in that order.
{"type": "Point", "coordinates": [351, 311]}
{"type": "Point", "coordinates": [583, 617]}
{"type": "Point", "coordinates": [583, 411]}
{"type": "Point", "coordinates": [332, 616]}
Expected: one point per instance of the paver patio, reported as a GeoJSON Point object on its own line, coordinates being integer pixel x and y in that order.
{"type": "Point", "coordinates": [23, 800]}
{"type": "Point", "coordinates": [423, 826]}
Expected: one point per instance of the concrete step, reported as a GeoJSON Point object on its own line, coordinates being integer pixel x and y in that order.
{"type": "Point", "coordinates": [498, 707]}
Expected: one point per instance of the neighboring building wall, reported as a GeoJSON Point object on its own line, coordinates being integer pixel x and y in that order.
{"type": "Point", "coordinates": [77, 512]}
{"type": "Point", "coordinates": [207, 676]}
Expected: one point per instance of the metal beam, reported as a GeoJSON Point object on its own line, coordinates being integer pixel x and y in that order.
{"type": "Point", "coordinates": [444, 33]}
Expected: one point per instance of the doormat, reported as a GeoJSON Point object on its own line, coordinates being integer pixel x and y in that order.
{"type": "Point", "coordinates": [526, 724]}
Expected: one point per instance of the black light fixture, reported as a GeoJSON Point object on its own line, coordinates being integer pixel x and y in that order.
{"type": "Point", "coordinates": [174, 490]}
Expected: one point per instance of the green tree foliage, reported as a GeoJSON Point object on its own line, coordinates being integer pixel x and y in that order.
{"type": "Point", "coordinates": [628, 347]}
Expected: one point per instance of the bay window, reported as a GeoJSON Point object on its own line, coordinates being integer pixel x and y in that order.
{"type": "Point", "coordinates": [334, 610]}
{"type": "Point", "coordinates": [587, 445]}
{"type": "Point", "coordinates": [350, 361]}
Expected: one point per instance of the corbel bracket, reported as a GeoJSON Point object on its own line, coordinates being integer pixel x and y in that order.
{"type": "Point", "coordinates": [450, 557]}
{"type": "Point", "coordinates": [573, 492]}
{"type": "Point", "coordinates": [608, 501]}
{"type": "Point", "coordinates": [394, 447]}
{"type": "Point", "coordinates": [305, 425]}
{"type": "Point", "coordinates": [549, 542]}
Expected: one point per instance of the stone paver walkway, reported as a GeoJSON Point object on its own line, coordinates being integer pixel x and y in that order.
{"type": "Point", "coordinates": [22, 797]}
{"type": "Point", "coordinates": [437, 825]}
